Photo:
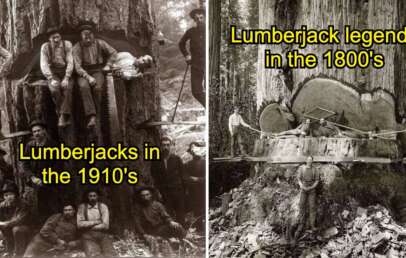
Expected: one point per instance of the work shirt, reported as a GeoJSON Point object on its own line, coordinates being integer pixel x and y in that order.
{"type": "Point", "coordinates": [56, 57]}
{"type": "Point", "coordinates": [58, 227]}
{"type": "Point", "coordinates": [87, 214]}
{"type": "Point", "coordinates": [197, 41]}
{"type": "Point", "coordinates": [15, 214]}
{"type": "Point", "coordinates": [168, 173]}
{"type": "Point", "coordinates": [308, 175]}
{"type": "Point", "coordinates": [98, 53]}
{"type": "Point", "coordinates": [151, 217]}
{"type": "Point", "coordinates": [234, 121]}
{"type": "Point", "coordinates": [7, 61]}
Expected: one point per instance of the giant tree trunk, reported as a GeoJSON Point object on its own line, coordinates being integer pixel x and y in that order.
{"type": "Point", "coordinates": [22, 21]}
{"type": "Point", "coordinates": [214, 52]}
{"type": "Point", "coordinates": [373, 14]}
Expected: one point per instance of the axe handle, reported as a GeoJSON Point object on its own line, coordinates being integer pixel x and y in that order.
{"type": "Point", "coordinates": [180, 92]}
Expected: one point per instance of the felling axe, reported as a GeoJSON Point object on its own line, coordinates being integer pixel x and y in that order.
{"type": "Point", "coordinates": [14, 135]}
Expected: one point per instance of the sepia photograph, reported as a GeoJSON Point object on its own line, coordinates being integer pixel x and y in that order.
{"type": "Point", "coordinates": [105, 81]}
{"type": "Point", "coordinates": [306, 162]}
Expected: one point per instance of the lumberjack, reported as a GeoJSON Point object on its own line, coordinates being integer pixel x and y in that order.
{"type": "Point", "coordinates": [92, 57]}
{"type": "Point", "coordinates": [57, 67]}
{"type": "Point", "coordinates": [152, 220]}
{"type": "Point", "coordinates": [308, 179]}
{"type": "Point", "coordinates": [235, 121]}
{"type": "Point", "coordinates": [196, 56]}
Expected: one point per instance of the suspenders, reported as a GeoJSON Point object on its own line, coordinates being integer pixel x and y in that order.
{"type": "Point", "coordinates": [52, 54]}
{"type": "Point", "coordinates": [87, 212]}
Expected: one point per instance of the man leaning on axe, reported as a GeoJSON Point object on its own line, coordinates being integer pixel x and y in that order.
{"type": "Point", "coordinates": [196, 56]}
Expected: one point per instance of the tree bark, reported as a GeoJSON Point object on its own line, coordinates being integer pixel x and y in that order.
{"type": "Point", "coordinates": [22, 21]}
{"type": "Point", "coordinates": [319, 14]}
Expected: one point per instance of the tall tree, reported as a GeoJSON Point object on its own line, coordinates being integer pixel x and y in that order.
{"type": "Point", "coordinates": [24, 22]}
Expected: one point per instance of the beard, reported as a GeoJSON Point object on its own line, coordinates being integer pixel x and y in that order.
{"type": "Point", "coordinates": [165, 152]}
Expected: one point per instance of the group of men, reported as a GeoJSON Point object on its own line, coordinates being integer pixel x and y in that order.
{"type": "Point", "coordinates": [158, 211]}
{"type": "Point", "coordinates": [324, 128]}
{"type": "Point", "coordinates": [90, 58]}
{"type": "Point", "coordinates": [63, 230]}
{"type": "Point", "coordinates": [181, 185]}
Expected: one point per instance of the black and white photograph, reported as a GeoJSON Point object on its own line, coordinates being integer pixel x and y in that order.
{"type": "Point", "coordinates": [305, 162]}
{"type": "Point", "coordinates": [95, 74]}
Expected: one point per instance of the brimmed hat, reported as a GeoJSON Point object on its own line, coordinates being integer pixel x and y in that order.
{"type": "Point", "coordinates": [53, 30]}
{"type": "Point", "coordinates": [10, 187]}
{"type": "Point", "coordinates": [196, 11]}
{"type": "Point", "coordinates": [38, 122]}
{"type": "Point", "coordinates": [86, 25]}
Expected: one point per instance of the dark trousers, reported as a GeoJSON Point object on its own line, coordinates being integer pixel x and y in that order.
{"type": "Point", "coordinates": [97, 243]}
{"type": "Point", "coordinates": [307, 206]}
{"type": "Point", "coordinates": [16, 239]}
{"type": "Point", "coordinates": [91, 95]}
{"type": "Point", "coordinates": [62, 97]}
{"type": "Point", "coordinates": [37, 246]}
{"type": "Point", "coordinates": [236, 138]}
{"type": "Point", "coordinates": [174, 200]}
{"type": "Point", "coordinates": [49, 202]}
{"type": "Point", "coordinates": [197, 76]}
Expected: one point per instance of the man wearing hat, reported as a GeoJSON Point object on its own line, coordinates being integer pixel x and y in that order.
{"type": "Point", "coordinates": [57, 67]}
{"type": "Point", "coordinates": [196, 56]}
{"type": "Point", "coordinates": [151, 218]}
{"type": "Point", "coordinates": [91, 57]}
{"type": "Point", "coordinates": [195, 178]}
{"type": "Point", "coordinates": [14, 215]}
{"type": "Point", "coordinates": [45, 197]}
{"type": "Point", "coordinates": [168, 176]}
{"type": "Point", "coordinates": [59, 232]}
{"type": "Point", "coordinates": [93, 220]}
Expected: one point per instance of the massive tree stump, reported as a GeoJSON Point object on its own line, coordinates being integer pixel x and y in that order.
{"type": "Point", "coordinates": [128, 26]}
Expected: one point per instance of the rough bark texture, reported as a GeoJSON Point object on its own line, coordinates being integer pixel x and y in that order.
{"type": "Point", "coordinates": [22, 21]}
{"type": "Point", "coordinates": [214, 66]}
{"type": "Point", "coordinates": [319, 14]}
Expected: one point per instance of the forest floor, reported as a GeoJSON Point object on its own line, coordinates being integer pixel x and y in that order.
{"type": "Point", "coordinates": [255, 220]}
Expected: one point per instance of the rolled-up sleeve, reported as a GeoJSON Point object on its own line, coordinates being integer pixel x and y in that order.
{"type": "Point", "coordinates": [105, 218]}
{"type": "Point", "coordinates": [81, 220]}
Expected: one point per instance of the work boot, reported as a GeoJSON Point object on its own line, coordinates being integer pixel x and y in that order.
{"type": "Point", "coordinates": [92, 122]}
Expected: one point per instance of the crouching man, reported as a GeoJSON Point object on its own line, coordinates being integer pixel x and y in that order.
{"type": "Point", "coordinates": [93, 221]}
{"type": "Point", "coordinates": [151, 219]}
{"type": "Point", "coordinates": [14, 214]}
{"type": "Point", "coordinates": [59, 233]}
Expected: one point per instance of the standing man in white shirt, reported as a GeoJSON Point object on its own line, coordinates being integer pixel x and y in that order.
{"type": "Point", "coordinates": [235, 121]}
